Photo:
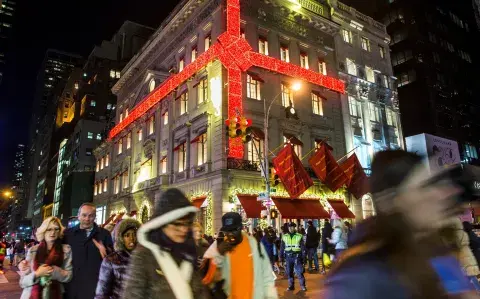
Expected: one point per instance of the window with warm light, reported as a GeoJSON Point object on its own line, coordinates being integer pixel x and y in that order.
{"type": "Point", "coordinates": [253, 88]}
{"type": "Point", "coordinates": [165, 118]}
{"type": "Point", "coordinates": [374, 112]}
{"type": "Point", "coordinates": [355, 107]}
{"type": "Point", "coordinates": [116, 184]}
{"type": "Point", "coordinates": [347, 36]}
{"type": "Point", "coordinates": [317, 104]}
{"type": "Point", "coordinates": [297, 148]}
{"type": "Point", "coordinates": [163, 165]}
{"type": "Point", "coordinates": [140, 135]}
{"type": "Point", "coordinates": [183, 102]}
{"type": "Point", "coordinates": [97, 168]}
{"type": "Point", "coordinates": [102, 163]}
{"type": "Point", "coordinates": [117, 75]}
{"type": "Point", "coordinates": [304, 60]}
{"type": "Point", "coordinates": [365, 44]}
{"type": "Point", "coordinates": [202, 149]}
{"type": "Point", "coordinates": [105, 185]}
{"type": "Point", "coordinates": [383, 52]}
{"type": "Point", "coordinates": [370, 74]}
{"type": "Point", "coordinates": [254, 148]}
{"type": "Point", "coordinates": [182, 157]}
{"type": "Point", "coordinates": [351, 67]}
{"type": "Point", "coordinates": [125, 182]}
{"type": "Point", "coordinates": [121, 116]}
{"type": "Point", "coordinates": [100, 187]}
{"type": "Point", "coordinates": [120, 146]}
{"type": "Point", "coordinates": [151, 125]}
{"type": "Point", "coordinates": [95, 188]}
{"type": "Point", "coordinates": [208, 42]}
{"type": "Point", "coordinates": [107, 160]}
{"type": "Point", "coordinates": [263, 46]}
{"type": "Point", "coordinates": [287, 96]}
{"type": "Point", "coordinates": [129, 140]}
{"type": "Point", "coordinates": [181, 64]}
{"type": "Point", "coordinates": [151, 85]}
{"type": "Point", "coordinates": [202, 90]}
{"type": "Point", "coordinates": [126, 113]}
{"type": "Point", "coordinates": [284, 54]}
{"type": "Point", "coordinates": [194, 54]}
{"type": "Point", "coordinates": [112, 74]}
{"type": "Point", "coordinates": [322, 67]}
{"type": "Point", "coordinates": [242, 33]}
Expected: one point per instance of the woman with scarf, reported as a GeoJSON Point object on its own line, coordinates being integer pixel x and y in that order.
{"type": "Point", "coordinates": [114, 266]}
{"type": "Point", "coordinates": [49, 263]}
{"type": "Point", "coordinates": [165, 264]}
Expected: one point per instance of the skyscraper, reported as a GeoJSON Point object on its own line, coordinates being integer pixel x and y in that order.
{"type": "Point", "coordinates": [7, 11]}
{"type": "Point", "coordinates": [16, 208]}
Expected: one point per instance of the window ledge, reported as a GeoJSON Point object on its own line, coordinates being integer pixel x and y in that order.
{"type": "Point", "coordinates": [253, 99]}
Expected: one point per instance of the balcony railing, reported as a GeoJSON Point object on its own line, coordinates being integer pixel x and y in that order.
{"type": "Point", "coordinates": [241, 164]}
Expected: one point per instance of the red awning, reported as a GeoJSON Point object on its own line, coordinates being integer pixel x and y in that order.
{"type": "Point", "coordinates": [256, 77]}
{"type": "Point", "coordinates": [250, 205]}
{"type": "Point", "coordinates": [293, 139]}
{"type": "Point", "coordinates": [341, 209]}
{"type": "Point", "coordinates": [109, 220]}
{"type": "Point", "coordinates": [198, 201]}
{"type": "Point", "coordinates": [300, 208]}
{"type": "Point", "coordinates": [257, 132]}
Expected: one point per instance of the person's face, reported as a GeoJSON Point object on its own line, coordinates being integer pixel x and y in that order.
{"type": "Point", "coordinates": [178, 230]}
{"type": "Point", "coordinates": [291, 229]}
{"type": "Point", "coordinates": [86, 216]}
{"type": "Point", "coordinates": [197, 233]}
{"type": "Point", "coordinates": [427, 206]}
{"type": "Point", "coordinates": [234, 237]}
{"type": "Point", "coordinates": [130, 239]}
{"type": "Point", "coordinates": [52, 233]}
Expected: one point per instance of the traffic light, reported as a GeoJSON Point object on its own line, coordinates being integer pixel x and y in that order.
{"type": "Point", "coordinates": [239, 127]}
{"type": "Point", "coordinates": [275, 179]}
{"type": "Point", "coordinates": [273, 214]}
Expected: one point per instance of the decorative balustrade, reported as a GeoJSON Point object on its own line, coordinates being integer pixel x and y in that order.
{"type": "Point", "coordinates": [241, 164]}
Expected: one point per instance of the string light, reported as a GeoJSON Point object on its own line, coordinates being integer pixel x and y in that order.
{"type": "Point", "coordinates": [237, 56]}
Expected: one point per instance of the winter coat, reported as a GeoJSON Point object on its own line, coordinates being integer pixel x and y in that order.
{"type": "Point", "coordinates": [63, 275]}
{"type": "Point", "coordinates": [269, 248]}
{"type": "Point", "coordinates": [202, 248]}
{"type": "Point", "coordinates": [326, 233]}
{"type": "Point", "coordinates": [313, 238]}
{"type": "Point", "coordinates": [86, 260]}
{"type": "Point", "coordinates": [339, 238]}
{"type": "Point", "coordinates": [465, 254]}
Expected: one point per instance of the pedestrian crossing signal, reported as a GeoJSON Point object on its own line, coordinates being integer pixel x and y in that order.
{"type": "Point", "coordinates": [273, 214]}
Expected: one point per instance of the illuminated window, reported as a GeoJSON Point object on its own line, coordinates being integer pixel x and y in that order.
{"type": "Point", "coordinates": [351, 67]}
{"type": "Point", "coordinates": [255, 150]}
{"type": "Point", "coordinates": [194, 54]}
{"type": "Point", "coordinates": [322, 67]}
{"type": "Point", "coordinates": [202, 90]}
{"type": "Point", "coordinates": [102, 162]}
{"type": "Point", "coordinates": [407, 78]}
{"type": "Point", "coordinates": [297, 148]}
{"type": "Point", "coordinates": [183, 102]}
{"type": "Point", "coordinates": [151, 125]}
{"type": "Point", "coordinates": [304, 60]}
{"type": "Point", "coordinates": [126, 113]}
{"type": "Point", "coordinates": [208, 42]}
{"type": "Point", "coordinates": [125, 182]}
{"type": "Point", "coordinates": [391, 119]}
{"type": "Point", "coordinates": [105, 185]}
{"type": "Point", "coordinates": [109, 106]}
{"type": "Point", "coordinates": [76, 85]}
{"type": "Point", "coordinates": [107, 160]}
{"type": "Point", "coordinates": [242, 33]}
{"type": "Point", "coordinates": [140, 135]}
{"type": "Point", "coordinates": [253, 88]}
{"type": "Point", "coordinates": [165, 118]}
{"type": "Point", "coordinates": [120, 146]}
{"type": "Point", "coordinates": [181, 65]}
{"type": "Point", "coordinates": [116, 184]}
{"type": "Point", "coordinates": [317, 105]}
{"type": "Point", "coordinates": [263, 46]}
{"type": "Point", "coordinates": [182, 157]}
{"type": "Point", "coordinates": [99, 136]}
{"type": "Point", "coordinates": [287, 96]}
{"type": "Point", "coordinates": [365, 44]}
{"type": "Point", "coordinates": [121, 117]}
{"type": "Point", "coordinates": [347, 36]}
{"type": "Point", "coordinates": [129, 140]}
{"type": "Point", "coordinates": [89, 135]}
{"type": "Point", "coordinates": [202, 149]}
{"type": "Point", "coordinates": [284, 54]}
{"type": "Point", "coordinates": [98, 166]}
{"type": "Point", "coordinates": [117, 75]}
{"type": "Point", "coordinates": [374, 112]}
{"type": "Point", "coordinates": [112, 74]}
{"type": "Point", "coordinates": [355, 107]}
{"type": "Point", "coordinates": [95, 187]}
{"type": "Point", "coordinates": [370, 74]}
{"type": "Point", "coordinates": [163, 165]}
{"type": "Point", "coordinates": [383, 52]}
{"type": "Point", "coordinates": [151, 85]}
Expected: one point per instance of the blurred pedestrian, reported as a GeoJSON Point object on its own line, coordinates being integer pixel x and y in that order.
{"type": "Point", "coordinates": [90, 245]}
{"type": "Point", "coordinates": [164, 265]}
{"type": "Point", "coordinates": [238, 264]}
{"type": "Point", "coordinates": [474, 240]}
{"type": "Point", "coordinates": [311, 245]}
{"type": "Point", "coordinates": [200, 243]}
{"type": "Point", "coordinates": [19, 252]}
{"type": "Point", "coordinates": [398, 254]}
{"type": "Point", "coordinates": [292, 251]}
{"type": "Point", "coordinates": [48, 265]}
{"type": "Point", "coordinates": [113, 271]}
{"type": "Point", "coordinates": [464, 253]}
{"type": "Point", "coordinates": [339, 237]}
{"type": "Point", "coordinates": [3, 253]}
{"type": "Point", "coordinates": [268, 242]}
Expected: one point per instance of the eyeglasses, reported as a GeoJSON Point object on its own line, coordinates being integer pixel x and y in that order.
{"type": "Point", "coordinates": [53, 230]}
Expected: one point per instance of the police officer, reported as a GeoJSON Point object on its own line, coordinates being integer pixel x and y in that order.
{"type": "Point", "coordinates": [292, 251]}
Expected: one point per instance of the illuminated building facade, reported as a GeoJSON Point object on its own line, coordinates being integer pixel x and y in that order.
{"type": "Point", "coordinates": [174, 98]}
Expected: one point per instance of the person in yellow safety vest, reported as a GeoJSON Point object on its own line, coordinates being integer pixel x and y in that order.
{"type": "Point", "coordinates": [3, 253]}
{"type": "Point", "coordinates": [292, 251]}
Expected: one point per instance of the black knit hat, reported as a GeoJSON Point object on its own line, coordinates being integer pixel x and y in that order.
{"type": "Point", "coordinates": [172, 200]}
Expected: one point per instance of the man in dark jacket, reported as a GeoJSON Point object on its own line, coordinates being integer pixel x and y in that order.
{"type": "Point", "coordinates": [311, 244]}
{"type": "Point", "coordinates": [90, 244]}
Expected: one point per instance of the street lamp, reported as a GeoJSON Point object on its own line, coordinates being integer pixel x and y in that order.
{"type": "Point", "coordinates": [266, 167]}
{"type": "Point", "coordinates": [7, 194]}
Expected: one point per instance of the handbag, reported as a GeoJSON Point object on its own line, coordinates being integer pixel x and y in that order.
{"type": "Point", "coordinates": [327, 262]}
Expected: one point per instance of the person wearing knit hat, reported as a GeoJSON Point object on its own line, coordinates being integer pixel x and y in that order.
{"type": "Point", "coordinates": [113, 271]}
{"type": "Point", "coordinates": [165, 264]}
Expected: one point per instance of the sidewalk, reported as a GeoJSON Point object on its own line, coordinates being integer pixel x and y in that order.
{"type": "Point", "coordinates": [9, 286]}
{"type": "Point", "coordinates": [314, 287]}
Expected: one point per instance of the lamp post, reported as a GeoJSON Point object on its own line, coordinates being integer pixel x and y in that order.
{"type": "Point", "coordinates": [266, 166]}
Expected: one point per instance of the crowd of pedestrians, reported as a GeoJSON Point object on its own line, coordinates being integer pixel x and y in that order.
{"type": "Point", "coordinates": [414, 247]}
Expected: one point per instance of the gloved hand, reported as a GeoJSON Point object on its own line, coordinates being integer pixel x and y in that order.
{"type": "Point", "coordinates": [225, 247]}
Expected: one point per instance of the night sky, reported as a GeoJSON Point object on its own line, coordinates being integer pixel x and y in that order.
{"type": "Point", "coordinates": [68, 25]}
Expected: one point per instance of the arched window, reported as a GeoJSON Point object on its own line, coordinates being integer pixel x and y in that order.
{"type": "Point", "coordinates": [367, 206]}
{"type": "Point", "coordinates": [151, 85]}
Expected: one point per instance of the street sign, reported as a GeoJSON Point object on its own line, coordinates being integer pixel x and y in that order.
{"type": "Point", "coordinates": [273, 189]}
{"type": "Point", "coordinates": [262, 194]}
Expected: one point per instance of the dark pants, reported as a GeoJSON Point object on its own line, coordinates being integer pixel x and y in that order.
{"type": "Point", "coordinates": [294, 265]}
{"type": "Point", "coordinates": [312, 255]}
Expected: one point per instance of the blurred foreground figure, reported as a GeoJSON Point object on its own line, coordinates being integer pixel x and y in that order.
{"type": "Point", "coordinates": [399, 254]}
{"type": "Point", "coordinates": [165, 264]}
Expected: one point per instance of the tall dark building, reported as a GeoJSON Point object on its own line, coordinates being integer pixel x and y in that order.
{"type": "Point", "coordinates": [435, 62]}
{"type": "Point", "coordinates": [7, 12]}
{"type": "Point", "coordinates": [17, 208]}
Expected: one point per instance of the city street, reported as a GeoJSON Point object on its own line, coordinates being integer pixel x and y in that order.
{"type": "Point", "coordinates": [9, 288]}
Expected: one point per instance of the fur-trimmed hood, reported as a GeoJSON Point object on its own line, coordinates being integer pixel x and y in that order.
{"type": "Point", "coordinates": [120, 229]}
